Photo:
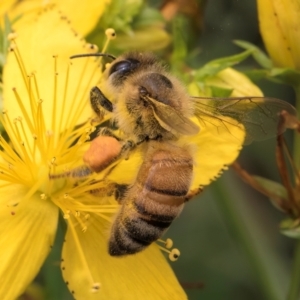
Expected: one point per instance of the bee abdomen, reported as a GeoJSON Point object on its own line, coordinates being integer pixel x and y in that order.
{"type": "Point", "coordinates": [133, 232]}
{"type": "Point", "coordinates": [153, 202]}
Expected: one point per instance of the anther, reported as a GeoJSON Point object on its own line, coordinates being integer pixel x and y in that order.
{"type": "Point", "coordinates": [168, 243]}
{"type": "Point", "coordinates": [66, 216]}
{"type": "Point", "coordinates": [174, 254]}
{"type": "Point", "coordinates": [110, 33]}
{"type": "Point", "coordinates": [92, 47]}
{"type": "Point", "coordinates": [43, 196]}
{"type": "Point", "coordinates": [96, 287]}
{"type": "Point", "coordinates": [11, 36]}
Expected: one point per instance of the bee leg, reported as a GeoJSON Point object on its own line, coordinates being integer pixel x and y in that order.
{"type": "Point", "coordinates": [98, 101]}
{"type": "Point", "coordinates": [120, 191]}
{"type": "Point", "coordinates": [105, 131]}
{"type": "Point", "coordinates": [77, 173]}
{"type": "Point", "coordinates": [129, 145]}
{"type": "Point", "coordinates": [126, 148]}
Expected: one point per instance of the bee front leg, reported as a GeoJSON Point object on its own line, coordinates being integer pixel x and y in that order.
{"type": "Point", "coordinates": [98, 101]}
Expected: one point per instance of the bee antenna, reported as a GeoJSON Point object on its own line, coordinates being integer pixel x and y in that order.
{"type": "Point", "coordinates": [93, 54]}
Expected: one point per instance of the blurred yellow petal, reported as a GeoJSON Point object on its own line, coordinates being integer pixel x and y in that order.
{"type": "Point", "coordinates": [84, 15]}
{"type": "Point", "coordinates": [5, 6]}
{"type": "Point", "coordinates": [280, 29]}
{"type": "Point", "coordinates": [232, 79]}
{"type": "Point", "coordinates": [28, 231]}
{"type": "Point", "coordinates": [146, 275]}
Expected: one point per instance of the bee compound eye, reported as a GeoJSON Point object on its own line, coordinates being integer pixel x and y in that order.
{"type": "Point", "coordinates": [124, 67]}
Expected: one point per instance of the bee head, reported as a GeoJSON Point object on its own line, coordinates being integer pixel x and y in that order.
{"type": "Point", "coordinates": [128, 64]}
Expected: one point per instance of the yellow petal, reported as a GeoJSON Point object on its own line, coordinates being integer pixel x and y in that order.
{"type": "Point", "coordinates": [280, 29]}
{"type": "Point", "coordinates": [63, 86]}
{"type": "Point", "coordinates": [27, 234]}
{"type": "Point", "coordinates": [86, 15]}
{"type": "Point", "coordinates": [83, 15]}
{"type": "Point", "coordinates": [230, 78]}
{"type": "Point", "coordinates": [215, 148]}
{"type": "Point", "coordinates": [146, 275]}
{"type": "Point", "coordinates": [5, 6]}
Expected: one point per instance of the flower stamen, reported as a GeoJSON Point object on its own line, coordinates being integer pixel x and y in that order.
{"type": "Point", "coordinates": [110, 35]}
{"type": "Point", "coordinates": [24, 111]}
{"type": "Point", "coordinates": [54, 107]}
{"type": "Point", "coordinates": [168, 244]}
{"type": "Point", "coordinates": [81, 254]}
{"type": "Point", "coordinates": [64, 101]}
{"type": "Point", "coordinates": [15, 50]}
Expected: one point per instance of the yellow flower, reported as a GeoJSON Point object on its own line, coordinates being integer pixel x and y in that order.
{"type": "Point", "coordinates": [83, 15]}
{"type": "Point", "coordinates": [46, 118]}
{"type": "Point", "coordinates": [280, 29]}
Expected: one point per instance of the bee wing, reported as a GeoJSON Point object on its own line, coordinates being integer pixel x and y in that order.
{"type": "Point", "coordinates": [259, 116]}
{"type": "Point", "coordinates": [171, 119]}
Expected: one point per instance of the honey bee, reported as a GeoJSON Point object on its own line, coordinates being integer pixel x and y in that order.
{"type": "Point", "coordinates": [154, 112]}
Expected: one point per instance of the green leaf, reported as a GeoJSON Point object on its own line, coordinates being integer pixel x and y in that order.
{"type": "Point", "coordinates": [257, 74]}
{"type": "Point", "coordinates": [215, 66]}
{"type": "Point", "coordinates": [148, 17]}
{"type": "Point", "coordinates": [121, 14]}
{"type": "Point", "coordinates": [4, 42]}
{"type": "Point", "coordinates": [290, 228]}
{"type": "Point", "coordinates": [285, 76]}
{"type": "Point", "coordinates": [277, 192]}
{"type": "Point", "coordinates": [257, 53]}
{"type": "Point", "coordinates": [180, 50]}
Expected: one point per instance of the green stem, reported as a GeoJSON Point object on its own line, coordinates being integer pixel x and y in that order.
{"type": "Point", "coordinates": [296, 148]}
{"type": "Point", "coordinates": [248, 243]}
{"type": "Point", "coordinates": [294, 288]}
{"type": "Point", "coordinates": [295, 282]}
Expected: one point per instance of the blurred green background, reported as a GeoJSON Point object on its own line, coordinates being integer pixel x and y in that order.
{"type": "Point", "coordinates": [229, 240]}
{"type": "Point", "coordinates": [217, 262]}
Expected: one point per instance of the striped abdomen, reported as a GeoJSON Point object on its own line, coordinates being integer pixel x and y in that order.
{"type": "Point", "coordinates": [154, 200]}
